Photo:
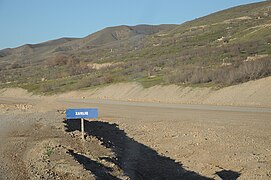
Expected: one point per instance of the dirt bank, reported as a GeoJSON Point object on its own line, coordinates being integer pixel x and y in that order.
{"type": "Point", "coordinates": [15, 93]}
{"type": "Point", "coordinates": [254, 93]}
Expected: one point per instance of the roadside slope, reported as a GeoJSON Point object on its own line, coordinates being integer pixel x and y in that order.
{"type": "Point", "coordinates": [254, 93]}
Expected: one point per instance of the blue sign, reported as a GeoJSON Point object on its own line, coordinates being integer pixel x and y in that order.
{"type": "Point", "coordinates": [81, 113]}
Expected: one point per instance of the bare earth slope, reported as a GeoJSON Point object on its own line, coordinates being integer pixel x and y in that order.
{"type": "Point", "coordinates": [253, 93]}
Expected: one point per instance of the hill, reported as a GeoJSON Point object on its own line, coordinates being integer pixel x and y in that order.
{"type": "Point", "coordinates": [225, 48]}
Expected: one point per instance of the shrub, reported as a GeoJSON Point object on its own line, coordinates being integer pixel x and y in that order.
{"type": "Point", "coordinates": [191, 75]}
{"type": "Point", "coordinates": [229, 75]}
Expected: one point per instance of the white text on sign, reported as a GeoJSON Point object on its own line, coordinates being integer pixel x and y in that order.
{"type": "Point", "coordinates": [81, 113]}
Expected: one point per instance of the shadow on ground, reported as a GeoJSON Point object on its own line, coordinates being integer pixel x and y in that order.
{"type": "Point", "coordinates": [228, 174]}
{"type": "Point", "coordinates": [137, 160]}
{"type": "Point", "coordinates": [100, 171]}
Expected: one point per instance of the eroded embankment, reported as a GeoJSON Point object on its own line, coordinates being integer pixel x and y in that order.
{"type": "Point", "coordinates": [253, 93]}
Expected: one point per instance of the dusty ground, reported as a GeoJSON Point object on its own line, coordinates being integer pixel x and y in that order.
{"type": "Point", "coordinates": [132, 140]}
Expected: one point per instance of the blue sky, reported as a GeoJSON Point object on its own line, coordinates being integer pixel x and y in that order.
{"type": "Point", "coordinates": [34, 21]}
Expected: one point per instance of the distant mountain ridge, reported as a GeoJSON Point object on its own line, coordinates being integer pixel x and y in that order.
{"type": "Point", "coordinates": [102, 37]}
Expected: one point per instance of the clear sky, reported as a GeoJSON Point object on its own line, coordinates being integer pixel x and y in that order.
{"type": "Point", "coordinates": [34, 21]}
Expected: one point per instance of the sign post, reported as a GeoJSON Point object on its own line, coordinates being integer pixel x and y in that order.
{"type": "Point", "coordinates": [82, 114]}
{"type": "Point", "coordinates": [82, 128]}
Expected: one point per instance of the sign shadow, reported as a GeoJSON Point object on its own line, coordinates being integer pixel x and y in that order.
{"type": "Point", "coordinates": [137, 160]}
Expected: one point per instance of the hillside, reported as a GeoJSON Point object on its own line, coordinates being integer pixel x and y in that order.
{"type": "Point", "coordinates": [225, 48]}
{"type": "Point", "coordinates": [100, 38]}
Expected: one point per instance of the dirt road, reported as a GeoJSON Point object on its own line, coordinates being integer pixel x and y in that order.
{"type": "Point", "coordinates": [136, 140]}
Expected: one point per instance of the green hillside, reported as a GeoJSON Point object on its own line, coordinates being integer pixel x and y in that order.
{"type": "Point", "coordinates": [225, 48]}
